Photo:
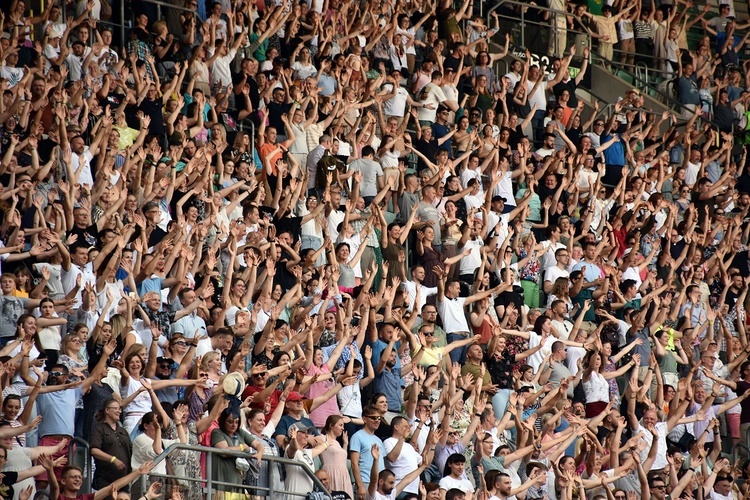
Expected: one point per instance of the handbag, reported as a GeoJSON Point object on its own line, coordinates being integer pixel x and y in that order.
{"type": "Point", "coordinates": [242, 464]}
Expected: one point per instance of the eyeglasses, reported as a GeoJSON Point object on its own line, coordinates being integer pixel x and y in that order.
{"type": "Point", "coordinates": [659, 487]}
{"type": "Point", "coordinates": [116, 408]}
{"type": "Point", "coordinates": [75, 341]}
{"type": "Point", "coordinates": [374, 417]}
{"type": "Point", "coordinates": [165, 365]}
{"type": "Point", "coordinates": [179, 342]}
{"type": "Point", "coordinates": [598, 124]}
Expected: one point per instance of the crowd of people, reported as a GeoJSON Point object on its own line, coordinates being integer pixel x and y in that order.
{"type": "Point", "coordinates": [430, 280]}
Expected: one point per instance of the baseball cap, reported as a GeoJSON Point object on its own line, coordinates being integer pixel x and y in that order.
{"type": "Point", "coordinates": [294, 396]}
{"type": "Point", "coordinates": [299, 427]}
{"type": "Point", "coordinates": [499, 198]}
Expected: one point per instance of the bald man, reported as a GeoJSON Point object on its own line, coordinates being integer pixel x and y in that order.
{"type": "Point", "coordinates": [324, 478]}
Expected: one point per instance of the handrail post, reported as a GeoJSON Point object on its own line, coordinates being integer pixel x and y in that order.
{"type": "Point", "coordinates": [209, 474]}
{"type": "Point", "coordinates": [122, 24]}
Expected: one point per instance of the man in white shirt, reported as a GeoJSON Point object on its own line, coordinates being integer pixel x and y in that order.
{"type": "Point", "coordinates": [431, 97]}
{"type": "Point", "coordinates": [220, 59]}
{"type": "Point", "coordinates": [73, 265]}
{"type": "Point", "coordinates": [401, 458]}
{"type": "Point", "coordinates": [548, 146]}
{"type": "Point", "coordinates": [559, 270]}
{"type": "Point", "coordinates": [451, 310]}
{"type": "Point", "coordinates": [385, 488]}
{"type": "Point", "coordinates": [410, 287]}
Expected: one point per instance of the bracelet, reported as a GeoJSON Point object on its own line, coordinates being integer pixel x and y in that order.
{"type": "Point", "coordinates": [478, 415]}
{"type": "Point", "coordinates": [112, 460]}
{"type": "Point", "coordinates": [691, 469]}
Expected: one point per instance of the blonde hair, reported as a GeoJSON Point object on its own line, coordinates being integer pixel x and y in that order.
{"type": "Point", "coordinates": [207, 358]}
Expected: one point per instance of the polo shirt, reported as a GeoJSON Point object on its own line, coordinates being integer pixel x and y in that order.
{"type": "Point", "coordinates": [559, 372]}
{"type": "Point", "coordinates": [451, 311]}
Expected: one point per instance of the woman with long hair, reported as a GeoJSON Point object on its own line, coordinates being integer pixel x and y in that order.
{"type": "Point", "coordinates": [49, 330]}
{"type": "Point", "coordinates": [595, 385]}
{"type": "Point", "coordinates": [110, 446]}
{"type": "Point", "coordinates": [453, 475]}
{"type": "Point", "coordinates": [334, 456]}
{"type": "Point", "coordinates": [133, 385]}
{"type": "Point", "coordinates": [323, 372]}
{"type": "Point", "coordinates": [208, 371]}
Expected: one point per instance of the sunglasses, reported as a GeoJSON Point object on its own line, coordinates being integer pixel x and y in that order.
{"type": "Point", "coordinates": [165, 365]}
{"type": "Point", "coordinates": [57, 374]}
{"type": "Point", "coordinates": [429, 334]}
{"type": "Point", "coordinates": [180, 342]}
{"type": "Point", "coordinates": [258, 375]}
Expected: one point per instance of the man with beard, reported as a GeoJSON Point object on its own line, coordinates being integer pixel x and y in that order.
{"type": "Point", "coordinates": [385, 488]}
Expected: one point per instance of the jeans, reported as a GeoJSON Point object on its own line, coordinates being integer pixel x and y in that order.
{"type": "Point", "coordinates": [457, 355]}
{"type": "Point", "coordinates": [500, 402]}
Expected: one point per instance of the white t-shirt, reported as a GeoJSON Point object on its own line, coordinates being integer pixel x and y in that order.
{"type": "Point", "coordinates": [661, 451]}
{"type": "Point", "coordinates": [407, 461]}
{"type": "Point", "coordinates": [435, 96]}
{"type": "Point", "coordinates": [396, 105]}
{"type": "Point", "coordinates": [463, 484]}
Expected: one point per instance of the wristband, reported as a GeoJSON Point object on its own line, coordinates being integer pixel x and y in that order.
{"type": "Point", "coordinates": [478, 415]}
{"type": "Point", "coordinates": [242, 447]}
{"type": "Point", "coordinates": [112, 460]}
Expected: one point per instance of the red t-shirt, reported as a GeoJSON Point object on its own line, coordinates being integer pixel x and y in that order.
{"type": "Point", "coordinates": [274, 399]}
{"type": "Point", "coordinates": [87, 496]}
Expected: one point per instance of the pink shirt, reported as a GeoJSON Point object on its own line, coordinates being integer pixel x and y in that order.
{"type": "Point", "coordinates": [330, 407]}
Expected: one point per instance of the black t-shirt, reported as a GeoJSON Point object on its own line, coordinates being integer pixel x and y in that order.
{"type": "Point", "coordinates": [86, 235]}
{"type": "Point", "coordinates": [570, 86]}
{"type": "Point", "coordinates": [428, 149]}
{"type": "Point", "coordinates": [275, 110]}
{"type": "Point", "coordinates": [723, 117]}
{"type": "Point", "coordinates": [6, 486]}
{"type": "Point", "coordinates": [153, 110]}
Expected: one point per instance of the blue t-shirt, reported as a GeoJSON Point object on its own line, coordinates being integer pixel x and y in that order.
{"type": "Point", "coordinates": [56, 409]}
{"type": "Point", "coordinates": [615, 154]}
{"type": "Point", "coordinates": [152, 284]}
{"type": "Point", "coordinates": [389, 383]}
{"type": "Point", "coordinates": [287, 421]}
{"type": "Point", "coordinates": [377, 350]}
{"type": "Point", "coordinates": [362, 442]}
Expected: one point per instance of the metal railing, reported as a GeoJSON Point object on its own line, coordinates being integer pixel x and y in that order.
{"type": "Point", "coordinates": [522, 8]}
{"type": "Point", "coordinates": [211, 483]}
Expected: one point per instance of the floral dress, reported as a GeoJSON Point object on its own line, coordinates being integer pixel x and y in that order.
{"type": "Point", "coordinates": [186, 463]}
{"type": "Point", "coordinates": [378, 261]}
{"type": "Point", "coordinates": [614, 390]}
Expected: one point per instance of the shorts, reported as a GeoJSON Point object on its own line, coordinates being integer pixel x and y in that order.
{"type": "Point", "coordinates": [53, 441]}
